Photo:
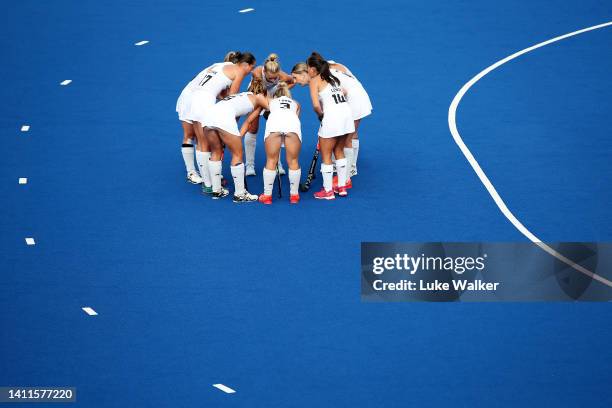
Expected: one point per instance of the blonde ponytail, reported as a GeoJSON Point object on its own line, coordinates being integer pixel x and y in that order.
{"type": "Point", "coordinates": [282, 89]}
{"type": "Point", "coordinates": [271, 64]}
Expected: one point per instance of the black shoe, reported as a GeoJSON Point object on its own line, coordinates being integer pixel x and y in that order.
{"type": "Point", "coordinates": [219, 194]}
{"type": "Point", "coordinates": [245, 197]}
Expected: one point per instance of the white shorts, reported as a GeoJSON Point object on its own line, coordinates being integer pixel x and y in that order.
{"type": "Point", "coordinates": [223, 117]}
{"type": "Point", "coordinates": [337, 121]}
{"type": "Point", "coordinates": [283, 122]}
{"type": "Point", "coordinates": [183, 105]}
{"type": "Point", "coordinates": [359, 101]}
{"type": "Point", "coordinates": [200, 107]}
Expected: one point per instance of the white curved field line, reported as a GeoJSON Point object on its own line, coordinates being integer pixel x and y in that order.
{"type": "Point", "coordinates": [452, 124]}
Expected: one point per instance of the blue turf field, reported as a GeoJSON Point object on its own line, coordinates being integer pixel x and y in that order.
{"type": "Point", "coordinates": [192, 292]}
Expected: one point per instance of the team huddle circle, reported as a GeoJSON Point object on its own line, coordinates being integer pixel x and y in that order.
{"type": "Point", "coordinates": [211, 107]}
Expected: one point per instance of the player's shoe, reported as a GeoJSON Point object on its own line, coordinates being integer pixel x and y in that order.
{"type": "Point", "coordinates": [342, 192]}
{"type": "Point", "coordinates": [325, 195]}
{"type": "Point", "coordinates": [294, 198]}
{"type": "Point", "coordinates": [206, 190]}
{"type": "Point", "coordinates": [265, 199]}
{"type": "Point", "coordinates": [194, 178]}
{"type": "Point", "coordinates": [349, 183]}
{"type": "Point", "coordinates": [224, 192]}
{"type": "Point", "coordinates": [245, 197]}
{"type": "Point", "coordinates": [250, 170]}
{"type": "Point", "coordinates": [281, 169]}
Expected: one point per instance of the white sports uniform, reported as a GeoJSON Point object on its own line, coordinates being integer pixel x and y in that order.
{"type": "Point", "coordinates": [196, 103]}
{"type": "Point", "coordinates": [337, 115]}
{"type": "Point", "coordinates": [183, 104]}
{"type": "Point", "coordinates": [224, 114]}
{"type": "Point", "coordinates": [357, 97]}
{"type": "Point", "coordinates": [283, 117]}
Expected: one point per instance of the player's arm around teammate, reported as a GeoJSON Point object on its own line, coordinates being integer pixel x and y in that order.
{"type": "Point", "coordinates": [283, 127]}
{"type": "Point", "coordinates": [329, 103]}
{"type": "Point", "coordinates": [270, 74]}
{"type": "Point", "coordinates": [222, 129]}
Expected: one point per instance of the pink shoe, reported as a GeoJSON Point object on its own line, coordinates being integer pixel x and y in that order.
{"type": "Point", "coordinates": [265, 199]}
{"type": "Point", "coordinates": [325, 195]}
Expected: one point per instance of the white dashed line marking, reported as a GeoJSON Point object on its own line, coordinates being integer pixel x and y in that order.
{"type": "Point", "coordinates": [65, 82]}
{"type": "Point", "coordinates": [23, 180]}
{"type": "Point", "coordinates": [224, 388]}
{"type": "Point", "coordinates": [139, 43]}
{"type": "Point", "coordinates": [246, 10]}
{"type": "Point", "coordinates": [30, 241]}
{"type": "Point", "coordinates": [25, 128]}
{"type": "Point", "coordinates": [89, 311]}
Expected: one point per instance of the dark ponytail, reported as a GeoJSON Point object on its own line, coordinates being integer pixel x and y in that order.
{"type": "Point", "coordinates": [322, 67]}
{"type": "Point", "coordinates": [240, 57]}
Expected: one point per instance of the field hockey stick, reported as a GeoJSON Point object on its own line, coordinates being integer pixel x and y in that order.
{"type": "Point", "coordinates": [278, 177]}
{"type": "Point", "coordinates": [305, 186]}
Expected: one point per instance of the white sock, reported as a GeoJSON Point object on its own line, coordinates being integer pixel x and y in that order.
{"type": "Point", "coordinates": [238, 175]}
{"type": "Point", "coordinates": [327, 170]}
{"type": "Point", "coordinates": [355, 151]}
{"type": "Point", "coordinates": [202, 158]}
{"type": "Point", "coordinates": [215, 168]}
{"type": "Point", "coordinates": [294, 181]}
{"type": "Point", "coordinates": [250, 142]}
{"type": "Point", "coordinates": [268, 180]}
{"type": "Point", "coordinates": [348, 153]}
{"type": "Point", "coordinates": [342, 171]}
{"type": "Point", "coordinates": [187, 151]}
{"type": "Point", "coordinates": [334, 162]}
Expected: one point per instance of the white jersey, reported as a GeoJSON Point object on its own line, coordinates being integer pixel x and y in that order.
{"type": "Point", "coordinates": [201, 92]}
{"type": "Point", "coordinates": [224, 113]}
{"type": "Point", "coordinates": [283, 117]}
{"type": "Point", "coordinates": [337, 115]}
{"type": "Point", "coordinates": [331, 96]}
{"type": "Point", "coordinates": [356, 95]}
{"type": "Point", "coordinates": [348, 71]}
{"type": "Point", "coordinates": [283, 104]}
{"type": "Point", "coordinates": [212, 79]}
{"type": "Point", "coordinates": [240, 103]}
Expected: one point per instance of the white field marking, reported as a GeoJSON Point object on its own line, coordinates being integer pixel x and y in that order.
{"type": "Point", "coordinates": [89, 311]}
{"type": "Point", "coordinates": [30, 241]}
{"type": "Point", "coordinates": [25, 128]}
{"type": "Point", "coordinates": [23, 180]}
{"type": "Point", "coordinates": [246, 10]}
{"type": "Point", "coordinates": [452, 124]}
{"type": "Point", "coordinates": [143, 42]}
{"type": "Point", "coordinates": [65, 82]}
{"type": "Point", "coordinates": [224, 388]}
